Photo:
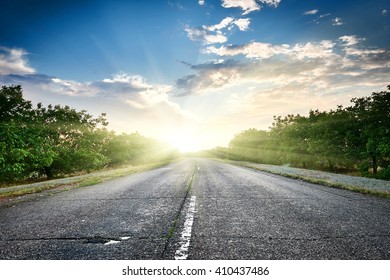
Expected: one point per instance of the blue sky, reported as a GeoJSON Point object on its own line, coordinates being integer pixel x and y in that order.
{"type": "Point", "coordinates": [194, 73]}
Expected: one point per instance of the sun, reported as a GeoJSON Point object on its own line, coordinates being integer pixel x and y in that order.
{"type": "Point", "coordinates": [184, 142]}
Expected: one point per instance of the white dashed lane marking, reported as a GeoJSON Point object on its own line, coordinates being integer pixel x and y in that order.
{"type": "Point", "coordinates": [182, 252]}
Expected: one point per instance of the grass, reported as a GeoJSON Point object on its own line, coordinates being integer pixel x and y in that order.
{"type": "Point", "coordinates": [358, 189]}
{"type": "Point", "coordinates": [81, 181]}
{"type": "Point", "coordinates": [21, 192]}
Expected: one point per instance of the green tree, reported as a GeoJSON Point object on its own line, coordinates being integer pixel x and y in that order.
{"type": "Point", "coordinates": [52, 141]}
{"type": "Point", "coordinates": [76, 139]}
{"type": "Point", "coordinates": [13, 107]}
{"type": "Point", "coordinates": [327, 138]}
{"type": "Point", "coordinates": [59, 140]}
{"type": "Point", "coordinates": [23, 148]}
{"type": "Point", "coordinates": [292, 136]}
{"type": "Point", "coordinates": [372, 132]}
{"type": "Point", "coordinates": [252, 145]}
{"type": "Point", "coordinates": [120, 149]}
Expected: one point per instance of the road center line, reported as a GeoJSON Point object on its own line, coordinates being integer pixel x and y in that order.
{"type": "Point", "coordinates": [182, 252]}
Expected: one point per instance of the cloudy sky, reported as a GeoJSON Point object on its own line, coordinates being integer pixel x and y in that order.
{"type": "Point", "coordinates": [195, 72]}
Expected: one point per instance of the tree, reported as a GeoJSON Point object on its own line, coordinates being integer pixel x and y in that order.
{"type": "Point", "coordinates": [23, 148]}
{"type": "Point", "coordinates": [58, 140]}
{"type": "Point", "coordinates": [252, 145]}
{"type": "Point", "coordinates": [372, 116]}
{"type": "Point", "coordinates": [51, 141]}
{"type": "Point", "coordinates": [13, 107]}
{"type": "Point", "coordinates": [76, 140]}
{"type": "Point", "coordinates": [119, 149]}
{"type": "Point", "coordinates": [335, 140]}
{"type": "Point", "coordinates": [327, 138]}
{"type": "Point", "coordinates": [292, 136]}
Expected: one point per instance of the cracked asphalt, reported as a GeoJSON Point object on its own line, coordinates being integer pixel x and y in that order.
{"type": "Point", "coordinates": [239, 213]}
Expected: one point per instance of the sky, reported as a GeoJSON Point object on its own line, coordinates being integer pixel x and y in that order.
{"type": "Point", "coordinates": [193, 73]}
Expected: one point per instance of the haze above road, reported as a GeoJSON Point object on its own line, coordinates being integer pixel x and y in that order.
{"type": "Point", "coordinates": [226, 212]}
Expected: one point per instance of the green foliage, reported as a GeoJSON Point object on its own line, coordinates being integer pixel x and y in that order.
{"type": "Point", "coordinates": [372, 116]}
{"type": "Point", "coordinates": [12, 104]}
{"type": "Point", "coordinates": [253, 145]}
{"type": "Point", "coordinates": [345, 139]}
{"type": "Point", "coordinates": [59, 140]}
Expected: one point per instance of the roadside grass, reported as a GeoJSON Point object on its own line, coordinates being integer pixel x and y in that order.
{"type": "Point", "coordinates": [77, 182]}
{"type": "Point", "coordinates": [21, 192]}
{"type": "Point", "coordinates": [384, 194]}
{"type": "Point", "coordinates": [324, 182]}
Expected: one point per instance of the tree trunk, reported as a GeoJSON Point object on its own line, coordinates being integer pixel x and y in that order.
{"type": "Point", "coordinates": [330, 165]}
{"type": "Point", "coordinates": [374, 165]}
{"type": "Point", "coordinates": [48, 172]}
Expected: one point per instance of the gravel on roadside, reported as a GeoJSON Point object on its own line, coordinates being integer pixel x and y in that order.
{"type": "Point", "coordinates": [354, 183]}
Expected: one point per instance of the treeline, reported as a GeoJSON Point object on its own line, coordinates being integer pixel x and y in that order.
{"type": "Point", "coordinates": [57, 140]}
{"type": "Point", "coordinates": [351, 139]}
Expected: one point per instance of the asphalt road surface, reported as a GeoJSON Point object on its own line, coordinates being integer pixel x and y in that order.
{"type": "Point", "coordinates": [198, 209]}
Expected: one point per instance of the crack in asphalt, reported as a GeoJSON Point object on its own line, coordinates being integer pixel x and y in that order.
{"type": "Point", "coordinates": [86, 239]}
{"type": "Point", "coordinates": [178, 214]}
{"type": "Point", "coordinates": [122, 198]}
{"type": "Point", "coordinates": [105, 239]}
{"type": "Point", "coordinates": [295, 238]}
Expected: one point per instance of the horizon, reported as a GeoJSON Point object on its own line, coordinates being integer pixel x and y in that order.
{"type": "Point", "coordinates": [195, 73]}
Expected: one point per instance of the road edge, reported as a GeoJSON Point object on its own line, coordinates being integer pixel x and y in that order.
{"type": "Point", "coordinates": [26, 192]}
{"type": "Point", "coordinates": [378, 193]}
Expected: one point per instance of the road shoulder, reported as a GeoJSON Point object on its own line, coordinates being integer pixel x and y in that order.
{"type": "Point", "coordinates": [368, 186]}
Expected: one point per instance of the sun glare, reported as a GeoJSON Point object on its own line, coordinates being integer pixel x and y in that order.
{"type": "Point", "coordinates": [184, 142]}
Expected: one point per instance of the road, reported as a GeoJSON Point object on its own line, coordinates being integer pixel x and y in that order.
{"type": "Point", "coordinates": [198, 209]}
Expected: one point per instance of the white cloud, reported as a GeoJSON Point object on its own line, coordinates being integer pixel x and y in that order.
{"type": "Point", "coordinates": [70, 87]}
{"type": "Point", "coordinates": [14, 61]}
{"type": "Point", "coordinates": [228, 23]}
{"type": "Point", "coordinates": [242, 23]}
{"type": "Point", "coordinates": [317, 65]}
{"type": "Point", "coordinates": [130, 101]}
{"type": "Point", "coordinates": [214, 34]}
{"type": "Point", "coordinates": [311, 12]}
{"type": "Point", "coordinates": [323, 49]}
{"type": "Point", "coordinates": [212, 75]}
{"type": "Point", "coordinates": [251, 50]}
{"type": "Point", "coordinates": [132, 90]}
{"type": "Point", "coordinates": [259, 50]}
{"type": "Point", "coordinates": [351, 40]}
{"type": "Point", "coordinates": [223, 24]}
{"type": "Point", "coordinates": [385, 12]}
{"type": "Point", "coordinates": [201, 2]}
{"type": "Point", "coordinates": [274, 3]}
{"type": "Point", "coordinates": [337, 21]}
{"type": "Point", "coordinates": [150, 97]}
{"type": "Point", "coordinates": [135, 81]}
{"type": "Point", "coordinates": [120, 85]}
{"type": "Point", "coordinates": [364, 52]}
{"type": "Point", "coordinates": [205, 36]}
{"type": "Point", "coordinates": [246, 5]}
